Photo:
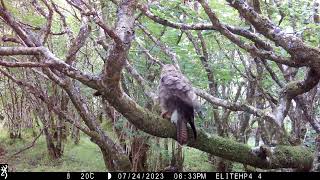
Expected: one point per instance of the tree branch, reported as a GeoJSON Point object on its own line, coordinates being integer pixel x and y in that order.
{"type": "Point", "coordinates": [253, 50]}
{"type": "Point", "coordinates": [299, 51]}
{"type": "Point", "coordinates": [29, 146]}
{"type": "Point", "coordinates": [23, 64]}
{"type": "Point", "coordinates": [163, 47]}
{"type": "Point", "coordinates": [204, 26]}
{"type": "Point", "coordinates": [291, 90]}
{"type": "Point", "coordinates": [53, 61]}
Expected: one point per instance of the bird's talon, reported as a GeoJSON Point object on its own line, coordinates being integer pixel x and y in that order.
{"type": "Point", "coordinates": [165, 115]}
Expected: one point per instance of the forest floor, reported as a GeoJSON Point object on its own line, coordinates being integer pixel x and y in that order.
{"type": "Point", "coordinates": [85, 156]}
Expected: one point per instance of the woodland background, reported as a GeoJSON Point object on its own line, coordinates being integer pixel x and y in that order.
{"type": "Point", "coordinates": [254, 64]}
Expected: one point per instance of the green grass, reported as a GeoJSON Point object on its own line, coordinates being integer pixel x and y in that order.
{"type": "Point", "coordinates": [83, 157]}
{"type": "Point", "coordinates": [195, 160]}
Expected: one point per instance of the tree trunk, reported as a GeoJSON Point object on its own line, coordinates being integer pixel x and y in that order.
{"type": "Point", "coordinates": [316, 162]}
{"type": "Point", "coordinates": [138, 154]}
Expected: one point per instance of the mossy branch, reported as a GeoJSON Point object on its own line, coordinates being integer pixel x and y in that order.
{"type": "Point", "coordinates": [265, 158]}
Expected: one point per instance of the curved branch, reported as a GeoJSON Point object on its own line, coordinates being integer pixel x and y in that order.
{"type": "Point", "coordinates": [222, 147]}
{"type": "Point", "coordinates": [29, 146]}
{"type": "Point", "coordinates": [155, 125]}
{"type": "Point", "coordinates": [253, 50]}
{"type": "Point", "coordinates": [292, 44]}
{"type": "Point", "coordinates": [162, 46]}
{"type": "Point", "coordinates": [234, 106]}
{"type": "Point", "coordinates": [52, 61]}
{"type": "Point", "coordinates": [204, 26]}
{"type": "Point", "coordinates": [291, 90]}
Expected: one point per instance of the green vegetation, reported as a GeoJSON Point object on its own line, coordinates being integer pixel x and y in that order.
{"type": "Point", "coordinates": [85, 156]}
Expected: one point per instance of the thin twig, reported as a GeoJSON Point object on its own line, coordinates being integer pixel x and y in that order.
{"type": "Point", "coordinates": [29, 146]}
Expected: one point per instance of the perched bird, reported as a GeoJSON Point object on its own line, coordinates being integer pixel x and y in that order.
{"type": "Point", "coordinates": [178, 101]}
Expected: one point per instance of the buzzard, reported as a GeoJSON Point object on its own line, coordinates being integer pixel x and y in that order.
{"type": "Point", "coordinates": [178, 101]}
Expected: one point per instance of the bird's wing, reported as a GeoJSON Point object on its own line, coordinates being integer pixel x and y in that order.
{"type": "Point", "coordinates": [179, 86]}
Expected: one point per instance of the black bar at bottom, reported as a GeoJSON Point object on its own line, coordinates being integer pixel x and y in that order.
{"type": "Point", "coordinates": [160, 175]}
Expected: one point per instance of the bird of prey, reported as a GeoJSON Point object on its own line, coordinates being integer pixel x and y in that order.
{"type": "Point", "coordinates": [178, 101]}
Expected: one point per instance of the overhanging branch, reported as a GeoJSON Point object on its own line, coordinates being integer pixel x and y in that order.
{"type": "Point", "coordinates": [52, 61]}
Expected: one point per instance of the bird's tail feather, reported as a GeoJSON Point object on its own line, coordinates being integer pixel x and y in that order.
{"type": "Point", "coordinates": [182, 132]}
{"type": "Point", "coordinates": [182, 115]}
{"type": "Point", "coordinates": [193, 127]}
